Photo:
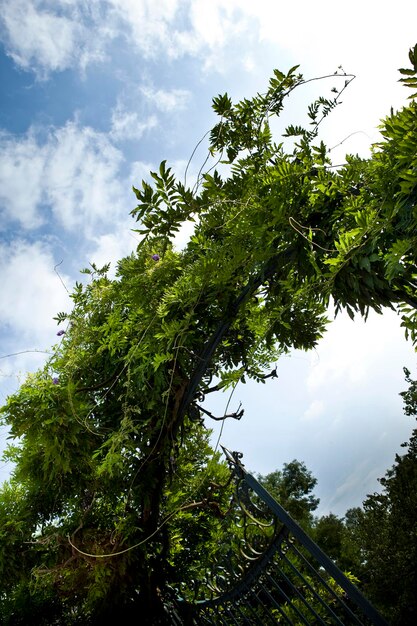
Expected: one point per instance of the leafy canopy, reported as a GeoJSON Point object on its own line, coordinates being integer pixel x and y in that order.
{"type": "Point", "coordinates": [113, 478]}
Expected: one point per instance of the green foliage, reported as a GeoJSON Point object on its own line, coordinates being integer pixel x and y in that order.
{"type": "Point", "coordinates": [113, 482]}
{"type": "Point", "coordinates": [410, 79]}
{"type": "Point", "coordinates": [311, 590]}
{"type": "Point", "coordinates": [292, 487]}
{"type": "Point", "coordinates": [328, 533]}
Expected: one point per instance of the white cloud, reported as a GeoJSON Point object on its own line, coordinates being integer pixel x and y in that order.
{"type": "Point", "coordinates": [216, 23]}
{"type": "Point", "coordinates": [314, 410]}
{"type": "Point", "coordinates": [47, 36]}
{"type": "Point", "coordinates": [167, 100]}
{"type": "Point", "coordinates": [73, 174]}
{"type": "Point", "coordinates": [219, 33]}
{"type": "Point", "coordinates": [81, 180]}
{"type": "Point", "coordinates": [22, 164]}
{"type": "Point", "coordinates": [32, 293]}
{"type": "Point", "coordinates": [127, 124]}
{"type": "Point", "coordinates": [147, 24]}
{"type": "Point", "coordinates": [52, 35]}
{"type": "Point", "coordinates": [139, 171]}
{"type": "Point", "coordinates": [111, 247]}
{"type": "Point", "coordinates": [344, 427]}
{"type": "Point", "coordinates": [351, 353]}
{"type": "Point", "coordinates": [38, 36]}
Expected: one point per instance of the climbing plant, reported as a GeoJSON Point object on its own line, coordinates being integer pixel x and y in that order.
{"type": "Point", "coordinates": [115, 487]}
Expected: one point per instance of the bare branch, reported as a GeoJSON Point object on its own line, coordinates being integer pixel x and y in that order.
{"type": "Point", "coordinates": [236, 415]}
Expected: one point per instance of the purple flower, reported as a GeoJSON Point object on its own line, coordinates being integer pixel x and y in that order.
{"type": "Point", "coordinates": [55, 380]}
{"type": "Point", "coordinates": [156, 257]}
{"type": "Point", "coordinates": [60, 333]}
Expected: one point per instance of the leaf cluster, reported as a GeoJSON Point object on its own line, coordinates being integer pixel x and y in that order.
{"type": "Point", "coordinates": [410, 74]}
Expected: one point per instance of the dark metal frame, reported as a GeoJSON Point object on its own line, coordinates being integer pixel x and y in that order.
{"type": "Point", "coordinates": [274, 573]}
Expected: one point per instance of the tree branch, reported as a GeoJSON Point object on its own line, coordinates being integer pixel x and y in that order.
{"type": "Point", "coordinates": [211, 346]}
{"type": "Point", "coordinates": [236, 415]}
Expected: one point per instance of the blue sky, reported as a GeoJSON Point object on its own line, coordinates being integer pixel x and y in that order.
{"type": "Point", "coordinates": [95, 94]}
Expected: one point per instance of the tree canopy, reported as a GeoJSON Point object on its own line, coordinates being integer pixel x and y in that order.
{"type": "Point", "coordinates": [112, 462]}
{"type": "Point", "coordinates": [292, 487]}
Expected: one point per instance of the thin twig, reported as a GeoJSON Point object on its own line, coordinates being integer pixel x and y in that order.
{"type": "Point", "coordinates": [59, 276]}
{"type": "Point", "coordinates": [6, 356]}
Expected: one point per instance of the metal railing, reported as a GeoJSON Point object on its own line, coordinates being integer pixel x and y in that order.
{"type": "Point", "coordinates": [271, 571]}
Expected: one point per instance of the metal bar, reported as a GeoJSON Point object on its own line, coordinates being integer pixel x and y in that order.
{"type": "Point", "coordinates": [289, 601]}
{"type": "Point", "coordinates": [318, 597]}
{"type": "Point", "coordinates": [324, 583]}
{"type": "Point", "coordinates": [298, 593]}
{"type": "Point", "coordinates": [228, 609]}
{"type": "Point", "coordinates": [245, 617]}
{"type": "Point", "coordinates": [253, 573]}
{"type": "Point", "coordinates": [351, 590]}
{"type": "Point", "coordinates": [248, 607]}
{"type": "Point", "coordinates": [276, 604]}
{"type": "Point", "coordinates": [263, 607]}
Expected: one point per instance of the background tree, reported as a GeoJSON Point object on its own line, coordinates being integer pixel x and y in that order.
{"type": "Point", "coordinates": [377, 542]}
{"type": "Point", "coordinates": [328, 533]}
{"type": "Point", "coordinates": [104, 431]}
{"type": "Point", "coordinates": [352, 553]}
{"type": "Point", "coordinates": [386, 532]}
{"type": "Point", "coordinates": [292, 487]}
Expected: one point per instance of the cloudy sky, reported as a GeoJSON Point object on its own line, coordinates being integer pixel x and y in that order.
{"type": "Point", "coordinates": [95, 94]}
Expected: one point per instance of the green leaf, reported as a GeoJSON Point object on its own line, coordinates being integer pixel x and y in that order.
{"type": "Point", "coordinates": [407, 71]}
{"type": "Point", "coordinates": [365, 264]}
